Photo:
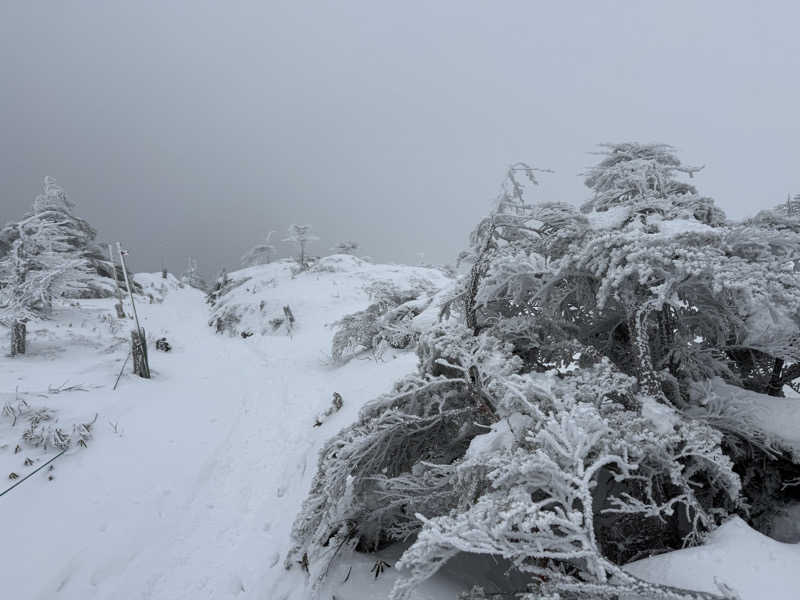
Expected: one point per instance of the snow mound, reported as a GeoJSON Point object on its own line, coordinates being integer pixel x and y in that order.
{"type": "Point", "coordinates": [755, 566]}
{"type": "Point", "coordinates": [155, 286]}
{"type": "Point", "coordinates": [253, 300]}
{"type": "Point", "coordinates": [777, 418]}
{"type": "Point", "coordinates": [339, 263]}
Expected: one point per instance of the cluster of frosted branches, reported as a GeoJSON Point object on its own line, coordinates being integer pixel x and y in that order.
{"type": "Point", "coordinates": [37, 270]}
{"type": "Point", "coordinates": [52, 238]}
{"type": "Point", "coordinates": [566, 467]}
{"type": "Point", "coordinates": [562, 417]}
{"type": "Point", "coordinates": [41, 429]}
{"type": "Point", "coordinates": [386, 321]}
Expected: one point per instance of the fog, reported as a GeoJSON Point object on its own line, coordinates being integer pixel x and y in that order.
{"type": "Point", "coordinates": [193, 128]}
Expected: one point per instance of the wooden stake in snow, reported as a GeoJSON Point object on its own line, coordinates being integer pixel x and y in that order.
{"type": "Point", "coordinates": [289, 318]}
{"type": "Point", "coordinates": [139, 352]}
{"type": "Point", "coordinates": [18, 334]}
{"type": "Point", "coordinates": [118, 305]}
{"type": "Point", "coordinates": [138, 340]}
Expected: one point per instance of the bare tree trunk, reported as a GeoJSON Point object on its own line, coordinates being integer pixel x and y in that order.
{"type": "Point", "coordinates": [18, 335]}
{"type": "Point", "coordinates": [643, 362]}
{"type": "Point", "coordinates": [120, 310]}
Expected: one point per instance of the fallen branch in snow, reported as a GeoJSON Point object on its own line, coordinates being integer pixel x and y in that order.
{"type": "Point", "coordinates": [66, 388]}
{"type": "Point", "coordinates": [336, 404]}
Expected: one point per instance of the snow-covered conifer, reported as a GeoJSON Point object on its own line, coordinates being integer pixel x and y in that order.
{"type": "Point", "coordinates": [191, 276]}
{"type": "Point", "coordinates": [75, 238]}
{"type": "Point", "coordinates": [301, 235]}
{"type": "Point", "coordinates": [561, 416]}
{"type": "Point", "coordinates": [39, 268]}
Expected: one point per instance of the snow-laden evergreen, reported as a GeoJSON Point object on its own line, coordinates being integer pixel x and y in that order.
{"type": "Point", "coordinates": [191, 276]}
{"type": "Point", "coordinates": [52, 227]}
{"type": "Point", "coordinates": [562, 416]}
{"type": "Point", "coordinates": [302, 236]}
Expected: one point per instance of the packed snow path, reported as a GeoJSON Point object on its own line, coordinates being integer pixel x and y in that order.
{"type": "Point", "coordinates": [191, 483]}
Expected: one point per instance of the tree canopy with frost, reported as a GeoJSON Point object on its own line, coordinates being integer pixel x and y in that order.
{"type": "Point", "coordinates": [301, 235]}
{"type": "Point", "coordinates": [45, 262]}
{"type": "Point", "coordinates": [563, 416]}
{"type": "Point", "coordinates": [54, 211]}
{"type": "Point", "coordinates": [191, 276]}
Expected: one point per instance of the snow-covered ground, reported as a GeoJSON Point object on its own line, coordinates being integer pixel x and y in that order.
{"type": "Point", "coordinates": [191, 481]}
{"type": "Point", "coordinates": [751, 564]}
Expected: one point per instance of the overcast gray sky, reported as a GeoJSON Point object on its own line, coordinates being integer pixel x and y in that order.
{"type": "Point", "coordinates": [193, 128]}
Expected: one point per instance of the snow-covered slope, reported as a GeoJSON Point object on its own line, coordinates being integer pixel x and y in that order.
{"type": "Point", "coordinates": [156, 287]}
{"type": "Point", "coordinates": [253, 301]}
{"type": "Point", "coordinates": [191, 481]}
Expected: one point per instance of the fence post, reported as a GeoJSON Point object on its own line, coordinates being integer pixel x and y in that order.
{"type": "Point", "coordinates": [289, 318]}
{"type": "Point", "coordinates": [139, 352]}
{"type": "Point", "coordinates": [138, 340]}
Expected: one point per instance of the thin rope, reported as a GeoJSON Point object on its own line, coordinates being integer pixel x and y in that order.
{"type": "Point", "coordinates": [34, 472]}
{"type": "Point", "coordinates": [127, 356]}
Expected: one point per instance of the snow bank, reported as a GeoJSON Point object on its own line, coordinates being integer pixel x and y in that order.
{"type": "Point", "coordinates": [777, 418]}
{"type": "Point", "coordinates": [755, 566]}
{"type": "Point", "coordinates": [252, 303]}
{"type": "Point", "coordinates": [155, 286]}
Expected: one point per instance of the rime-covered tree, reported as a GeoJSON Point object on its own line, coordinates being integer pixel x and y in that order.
{"type": "Point", "coordinates": [301, 235]}
{"type": "Point", "coordinates": [261, 254]}
{"type": "Point", "coordinates": [77, 238]}
{"type": "Point", "coordinates": [42, 265]}
{"type": "Point", "coordinates": [191, 276]}
{"type": "Point", "coordinates": [346, 247]}
{"type": "Point", "coordinates": [562, 416]}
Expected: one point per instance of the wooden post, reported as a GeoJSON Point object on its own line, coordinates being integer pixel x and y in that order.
{"type": "Point", "coordinates": [138, 340]}
{"type": "Point", "coordinates": [289, 317]}
{"type": "Point", "coordinates": [18, 334]}
{"type": "Point", "coordinates": [139, 352]}
{"type": "Point", "coordinates": [118, 306]}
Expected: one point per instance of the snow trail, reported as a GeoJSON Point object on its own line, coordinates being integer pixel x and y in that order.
{"type": "Point", "coordinates": [189, 488]}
